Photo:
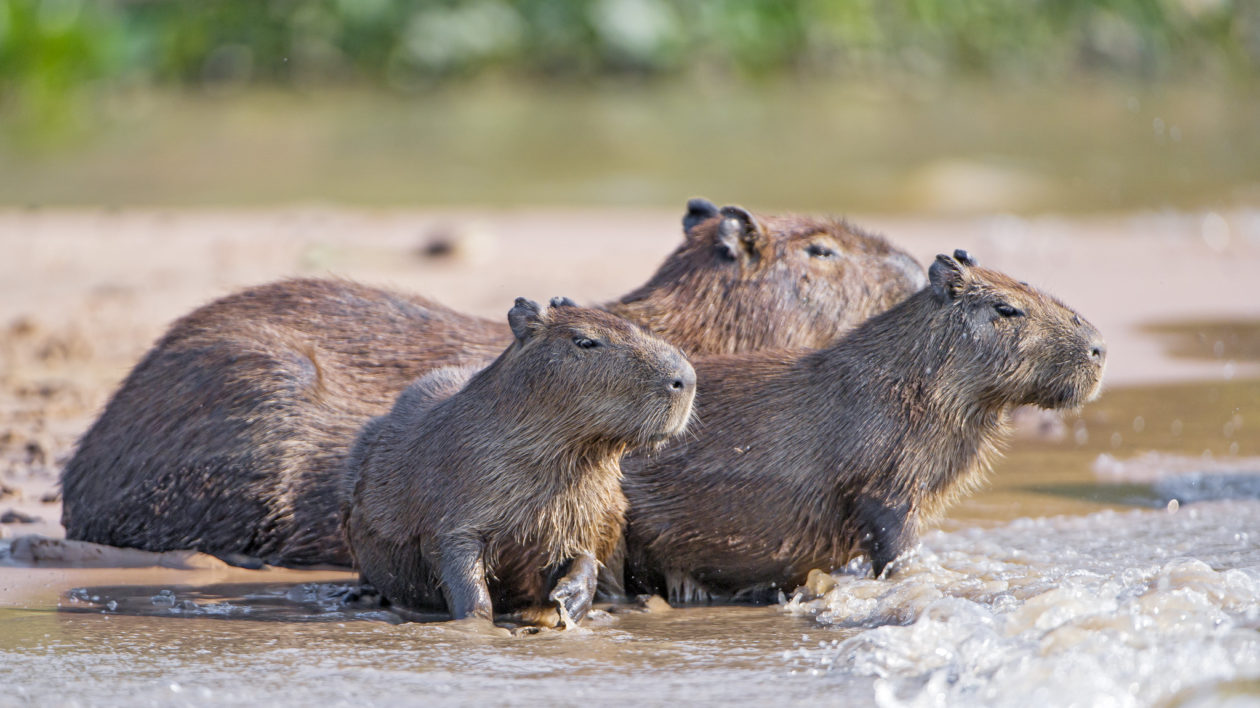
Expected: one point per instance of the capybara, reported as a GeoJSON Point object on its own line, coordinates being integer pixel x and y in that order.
{"type": "Point", "coordinates": [770, 282]}
{"type": "Point", "coordinates": [225, 436]}
{"type": "Point", "coordinates": [806, 460]}
{"type": "Point", "coordinates": [506, 494]}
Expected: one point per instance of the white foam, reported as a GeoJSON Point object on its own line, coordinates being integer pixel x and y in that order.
{"type": "Point", "coordinates": [1110, 609]}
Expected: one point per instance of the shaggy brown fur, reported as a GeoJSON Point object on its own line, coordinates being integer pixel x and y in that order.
{"type": "Point", "coordinates": [768, 282]}
{"type": "Point", "coordinates": [225, 437]}
{"type": "Point", "coordinates": [804, 461]}
{"type": "Point", "coordinates": [486, 497]}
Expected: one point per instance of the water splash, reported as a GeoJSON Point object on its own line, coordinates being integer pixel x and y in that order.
{"type": "Point", "coordinates": [1114, 608]}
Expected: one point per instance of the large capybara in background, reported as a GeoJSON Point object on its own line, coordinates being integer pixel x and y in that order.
{"type": "Point", "coordinates": [506, 493]}
{"type": "Point", "coordinates": [803, 461]}
{"type": "Point", "coordinates": [225, 436]}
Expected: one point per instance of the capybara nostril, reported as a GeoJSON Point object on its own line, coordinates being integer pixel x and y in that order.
{"type": "Point", "coordinates": [684, 379]}
{"type": "Point", "coordinates": [1098, 351]}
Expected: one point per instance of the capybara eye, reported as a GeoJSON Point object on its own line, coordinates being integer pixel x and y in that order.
{"type": "Point", "coordinates": [1006, 310]}
{"type": "Point", "coordinates": [818, 251]}
{"type": "Point", "coordinates": [585, 342]}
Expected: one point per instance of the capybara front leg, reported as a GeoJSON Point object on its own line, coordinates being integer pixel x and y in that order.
{"type": "Point", "coordinates": [887, 531]}
{"type": "Point", "coordinates": [464, 579]}
{"type": "Point", "coordinates": [575, 592]}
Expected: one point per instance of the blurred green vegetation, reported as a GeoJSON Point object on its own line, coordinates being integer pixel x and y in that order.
{"type": "Point", "coordinates": [884, 104]}
{"type": "Point", "coordinates": [49, 46]}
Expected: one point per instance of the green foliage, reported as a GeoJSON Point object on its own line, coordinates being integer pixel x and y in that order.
{"type": "Point", "coordinates": [49, 48]}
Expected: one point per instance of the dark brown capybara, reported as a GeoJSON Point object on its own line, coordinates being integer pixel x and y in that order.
{"type": "Point", "coordinates": [806, 460]}
{"type": "Point", "coordinates": [225, 436]}
{"type": "Point", "coordinates": [506, 494]}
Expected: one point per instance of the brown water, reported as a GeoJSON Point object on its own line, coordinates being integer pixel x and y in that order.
{"type": "Point", "coordinates": [252, 643]}
{"type": "Point", "coordinates": [1114, 559]}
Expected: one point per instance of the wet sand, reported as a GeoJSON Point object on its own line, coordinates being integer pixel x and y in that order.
{"type": "Point", "coordinates": [85, 293]}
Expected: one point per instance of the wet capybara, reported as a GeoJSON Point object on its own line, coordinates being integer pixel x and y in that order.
{"type": "Point", "coordinates": [506, 494]}
{"type": "Point", "coordinates": [225, 436]}
{"type": "Point", "coordinates": [806, 460]}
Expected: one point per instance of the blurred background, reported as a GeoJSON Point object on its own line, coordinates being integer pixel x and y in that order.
{"type": "Point", "coordinates": [925, 106]}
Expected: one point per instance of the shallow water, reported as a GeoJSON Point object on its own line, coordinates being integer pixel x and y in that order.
{"type": "Point", "coordinates": [1111, 561]}
{"type": "Point", "coordinates": [936, 147]}
{"type": "Point", "coordinates": [238, 648]}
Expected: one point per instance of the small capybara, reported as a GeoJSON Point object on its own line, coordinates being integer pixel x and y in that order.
{"type": "Point", "coordinates": [225, 437]}
{"type": "Point", "coordinates": [806, 460]}
{"type": "Point", "coordinates": [506, 494]}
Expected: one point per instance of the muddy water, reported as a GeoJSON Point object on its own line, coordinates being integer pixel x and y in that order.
{"type": "Point", "coordinates": [1114, 559]}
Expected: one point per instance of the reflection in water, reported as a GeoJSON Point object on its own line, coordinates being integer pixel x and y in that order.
{"type": "Point", "coordinates": [720, 653]}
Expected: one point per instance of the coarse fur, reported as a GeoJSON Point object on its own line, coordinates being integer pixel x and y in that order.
{"type": "Point", "coordinates": [771, 282]}
{"type": "Point", "coordinates": [227, 434]}
{"type": "Point", "coordinates": [478, 498]}
{"type": "Point", "coordinates": [806, 460]}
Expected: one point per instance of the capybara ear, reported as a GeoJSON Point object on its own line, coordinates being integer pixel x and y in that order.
{"type": "Point", "coordinates": [525, 318]}
{"type": "Point", "coordinates": [739, 232]}
{"type": "Point", "coordinates": [698, 210]}
{"type": "Point", "coordinates": [965, 258]}
{"type": "Point", "coordinates": [946, 278]}
{"type": "Point", "coordinates": [562, 302]}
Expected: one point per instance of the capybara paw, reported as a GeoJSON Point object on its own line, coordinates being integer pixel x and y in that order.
{"type": "Point", "coordinates": [573, 598]}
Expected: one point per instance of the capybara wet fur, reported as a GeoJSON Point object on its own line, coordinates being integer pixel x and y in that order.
{"type": "Point", "coordinates": [224, 438]}
{"type": "Point", "coordinates": [506, 494]}
{"type": "Point", "coordinates": [807, 460]}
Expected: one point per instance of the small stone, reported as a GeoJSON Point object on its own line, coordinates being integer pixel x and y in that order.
{"type": "Point", "coordinates": [13, 516]}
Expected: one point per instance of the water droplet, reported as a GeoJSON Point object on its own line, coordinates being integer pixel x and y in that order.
{"type": "Point", "coordinates": [1139, 424]}
{"type": "Point", "coordinates": [1116, 439]}
{"type": "Point", "coordinates": [1173, 506]}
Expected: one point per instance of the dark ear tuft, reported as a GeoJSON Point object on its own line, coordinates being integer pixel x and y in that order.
{"type": "Point", "coordinates": [945, 277]}
{"type": "Point", "coordinates": [739, 232]}
{"type": "Point", "coordinates": [524, 318]}
{"type": "Point", "coordinates": [965, 258]}
{"type": "Point", "coordinates": [698, 210]}
{"type": "Point", "coordinates": [562, 302]}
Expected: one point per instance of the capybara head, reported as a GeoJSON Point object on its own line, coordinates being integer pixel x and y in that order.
{"type": "Point", "coordinates": [594, 375]}
{"type": "Point", "coordinates": [1027, 347]}
{"type": "Point", "coordinates": [741, 282]}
